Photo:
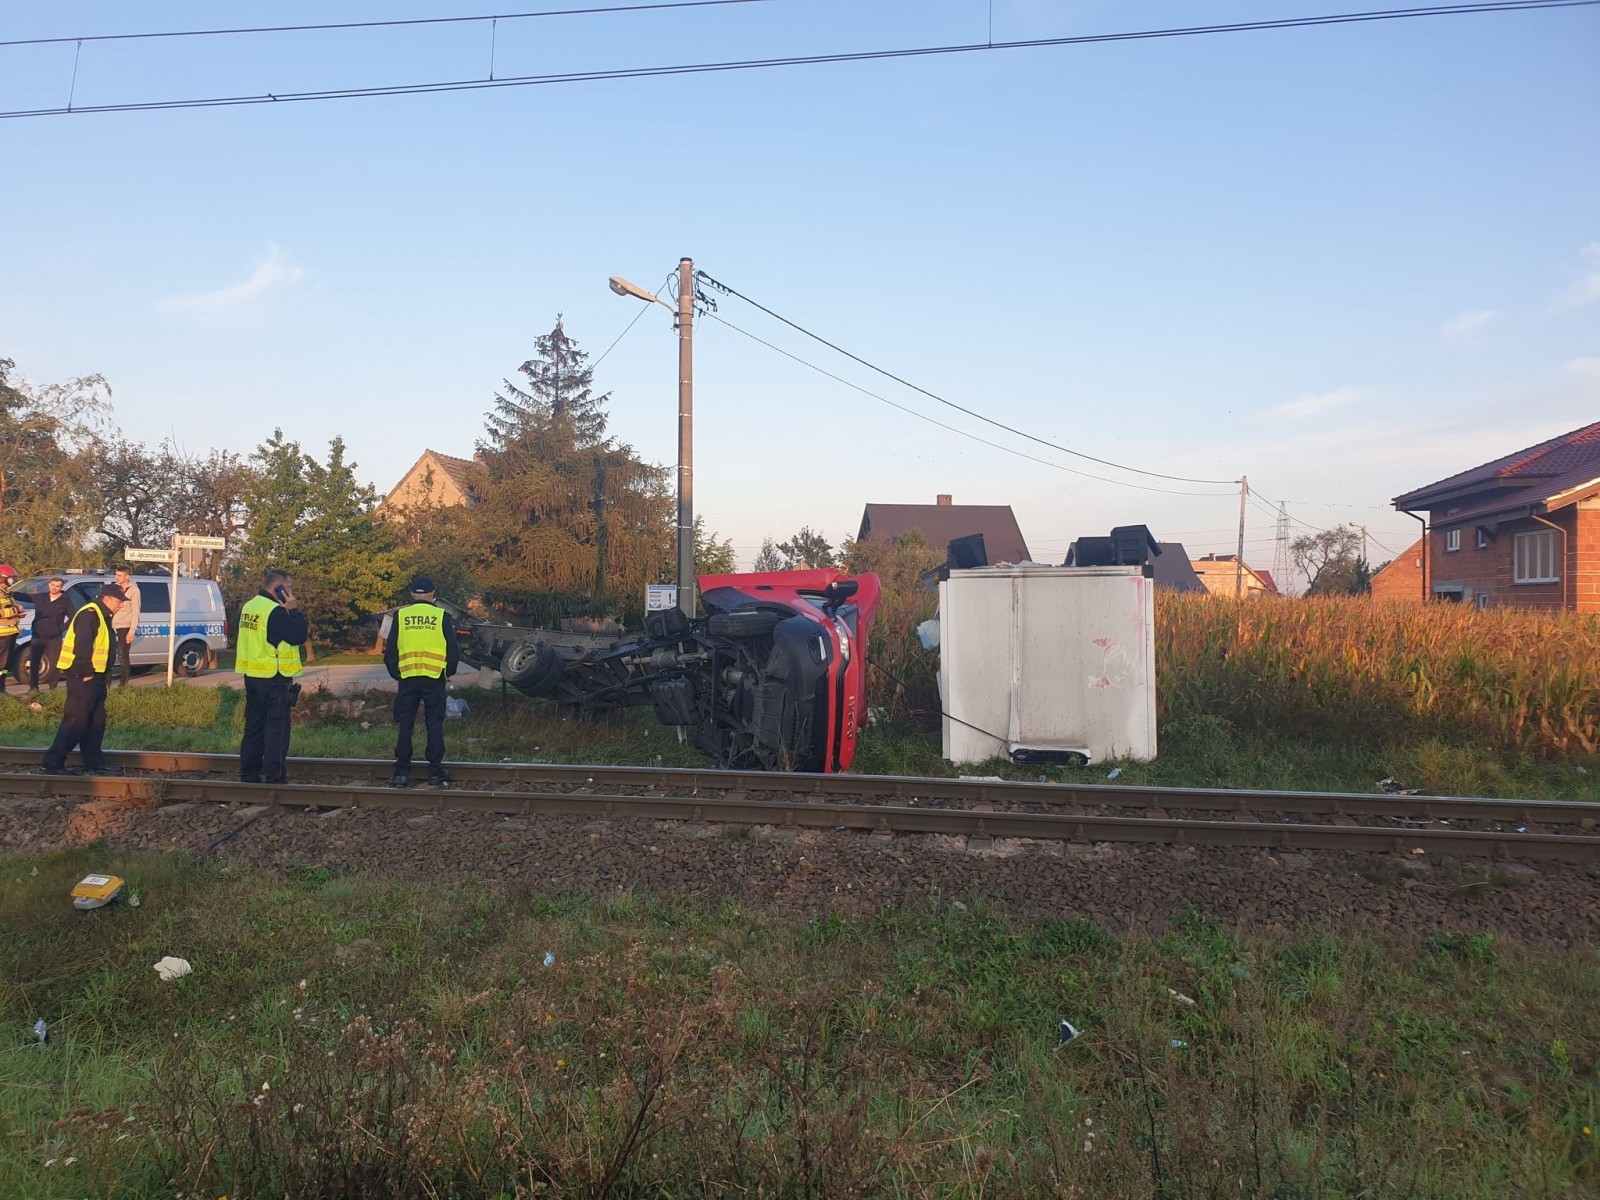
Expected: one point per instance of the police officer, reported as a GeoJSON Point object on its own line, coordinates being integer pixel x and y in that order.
{"type": "Point", "coordinates": [421, 653]}
{"type": "Point", "coordinates": [271, 632]}
{"type": "Point", "coordinates": [88, 655]}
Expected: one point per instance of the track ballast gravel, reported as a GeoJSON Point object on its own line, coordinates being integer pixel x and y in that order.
{"type": "Point", "coordinates": [1121, 888]}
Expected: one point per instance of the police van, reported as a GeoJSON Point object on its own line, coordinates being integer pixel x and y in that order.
{"type": "Point", "coordinates": [202, 622]}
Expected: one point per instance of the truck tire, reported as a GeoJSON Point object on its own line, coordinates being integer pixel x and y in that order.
{"type": "Point", "coordinates": [530, 667]}
{"type": "Point", "coordinates": [192, 660]}
{"type": "Point", "coordinates": [743, 623]}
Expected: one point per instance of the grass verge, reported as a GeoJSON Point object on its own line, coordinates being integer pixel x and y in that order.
{"type": "Point", "coordinates": [362, 1037]}
{"type": "Point", "coordinates": [1197, 752]}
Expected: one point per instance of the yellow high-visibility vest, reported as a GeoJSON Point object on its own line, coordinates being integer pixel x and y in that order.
{"type": "Point", "coordinates": [101, 654]}
{"type": "Point", "coordinates": [256, 657]}
{"type": "Point", "coordinates": [419, 641]}
{"type": "Point", "coordinates": [10, 615]}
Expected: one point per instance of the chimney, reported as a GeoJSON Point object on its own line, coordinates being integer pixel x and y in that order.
{"type": "Point", "coordinates": [942, 499]}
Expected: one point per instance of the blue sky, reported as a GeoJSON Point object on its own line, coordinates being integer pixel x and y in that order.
{"type": "Point", "coordinates": [1346, 261]}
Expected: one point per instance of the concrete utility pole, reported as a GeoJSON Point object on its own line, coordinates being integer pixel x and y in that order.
{"type": "Point", "coordinates": [1238, 572]}
{"type": "Point", "coordinates": [686, 581]}
{"type": "Point", "coordinates": [683, 321]}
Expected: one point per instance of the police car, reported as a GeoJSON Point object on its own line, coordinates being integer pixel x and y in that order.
{"type": "Point", "coordinates": [202, 622]}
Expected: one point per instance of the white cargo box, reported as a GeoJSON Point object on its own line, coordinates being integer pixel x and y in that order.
{"type": "Point", "coordinates": [1038, 663]}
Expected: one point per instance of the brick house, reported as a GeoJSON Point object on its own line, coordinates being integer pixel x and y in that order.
{"type": "Point", "coordinates": [1400, 580]}
{"type": "Point", "coordinates": [1522, 530]}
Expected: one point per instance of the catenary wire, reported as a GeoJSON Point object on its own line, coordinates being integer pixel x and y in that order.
{"type": "Point", "coordinates": [952, 428]}
{"type": "Point", "coordinates": [463, 85]}
{"type": "Point", "coordinates": [516, 16]}
{"type": "Point", "coordinates": [1105, 462]}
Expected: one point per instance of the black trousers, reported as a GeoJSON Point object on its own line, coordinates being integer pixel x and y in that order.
{"type": "Point", "coordinates": [83, 724]}
{"type": "Point", "coordinates": [124, 663]}
{"type": "Point", "coordinates": [46, 651]}
{"type": "Point", "coordinates": [428, 694]}
{"type": "Point", "coordinates": [264, 749]}
{"type": "Point", "coordinates": [6, 642]}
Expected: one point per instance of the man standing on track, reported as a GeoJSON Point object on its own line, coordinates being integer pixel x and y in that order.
{"type": "Point", "coordinates": [51, 616]}
{"type": "Point", "coordinates": [271, 632]}
{"type": "Point", "coordinates": [88, 655]}
{"type": "Point", "coordinates": [127, 622]}
{"type": "Point", "coordinates": [421, 653]}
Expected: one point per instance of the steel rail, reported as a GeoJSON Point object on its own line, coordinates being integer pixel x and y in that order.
{"type": "Point", "coordinates": [914, 788]}
{"type": "Point", "coordinates": [975, 825]}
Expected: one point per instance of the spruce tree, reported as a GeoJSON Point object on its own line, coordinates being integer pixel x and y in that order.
{"type": "Point", "coordinates": [569, 521]}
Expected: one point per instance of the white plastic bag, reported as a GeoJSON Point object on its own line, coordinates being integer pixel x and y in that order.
{"type": "Point", "coordinates": [170, 968]}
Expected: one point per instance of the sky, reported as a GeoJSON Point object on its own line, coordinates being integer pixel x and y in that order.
{"type": "Point", "coordinates": [1344, 261]}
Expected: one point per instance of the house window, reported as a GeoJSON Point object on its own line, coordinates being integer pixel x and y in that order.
{"type": "Point", "coordinates": [1482, 538]}
{"type": "Point", "coordinates": [1483, 600]}
{"type": "Point", "coordinates": [1534, 558]}
{"type": "Point", "coordinates": [1452, 541]}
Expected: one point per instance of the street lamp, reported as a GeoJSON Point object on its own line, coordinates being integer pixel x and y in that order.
{"type": "Point", "coordinates": [684, 322]}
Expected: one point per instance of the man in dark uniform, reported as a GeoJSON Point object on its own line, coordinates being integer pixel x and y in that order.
{"type": "Point", "coordinates": [88, 654]}
{"type": "Point", "coordinates": [420, 652]}
{"type": "Point", "coordinates": [271, 631]}
{"type": "Point", "coordinates": [51, 615]}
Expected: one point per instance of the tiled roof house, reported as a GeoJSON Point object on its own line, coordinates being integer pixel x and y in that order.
{"type": "Point", "coordinates": [1522, 530]}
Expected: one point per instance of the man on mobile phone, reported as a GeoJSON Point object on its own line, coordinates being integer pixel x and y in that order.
{"type": "Point", "coordinates": [271, 632]}
{"type": "Point", "coordinates": [421, 653]}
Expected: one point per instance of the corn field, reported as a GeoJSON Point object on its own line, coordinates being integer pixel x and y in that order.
{"type": "Point", "coordinates": [1350, 668]}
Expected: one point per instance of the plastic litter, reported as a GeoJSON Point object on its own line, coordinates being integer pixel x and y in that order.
{"type": "Point", "coordinates": [41, 1031]}
{"type": "Point", "coordinates": [455, 707]}
{"type": "Point", "coordinates": [1178, 1044]}
{"type": "Point", "coordinates": [1181, 998]}
{"type": "Point", "coordinates": [170, 968]}
{"type": "Point", "coordinates": [928, 634]}
{"type": "Point", "coordinates": [549, 958]}
{"type": "Point", "coordinates": [1393, 787]}
{"type": "Point", "coordinates": [1114, 772]}
{"type": "Point", "coordinates": [35, 871]}
{"type": "Point", "coordinates": [95, 891]}
{"type": "Point", "coordinates": [1522, 829]}
{"type": "Point", "coordinates": [1066, 1032]}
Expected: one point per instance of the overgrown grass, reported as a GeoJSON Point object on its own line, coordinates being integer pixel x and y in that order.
{"type": "Point", "coordinates": [357, 1037]}
{"type": "Point", "coordinates": [1195, 752]}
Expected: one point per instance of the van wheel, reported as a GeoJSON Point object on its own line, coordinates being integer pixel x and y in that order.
{"type": "Point", "coordinates": [193, 659]}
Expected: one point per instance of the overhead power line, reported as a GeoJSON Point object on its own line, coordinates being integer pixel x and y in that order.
{"type": "Point", "coordinates": [942, 425]}
{"type": "Point", "coordinates": [491, 17]}
{"type": "Point", "coordinates": [1104, 462]}
{"type": "Point", "coordinates": [464, 85]}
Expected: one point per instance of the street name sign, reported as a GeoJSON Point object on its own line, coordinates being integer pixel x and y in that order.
{"type": "Point", "coordinates": [147, 554]}
{"type": "Point", "coordinates": [194, 541]}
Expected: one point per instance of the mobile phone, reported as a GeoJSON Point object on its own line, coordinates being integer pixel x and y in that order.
{"type": "Point", "coordinates": [281, 592]}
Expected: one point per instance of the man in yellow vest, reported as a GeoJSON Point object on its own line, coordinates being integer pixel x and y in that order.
{"type": "Point", "coordinates": [421, 653]}
{"type": "Point", "coordinates": [88, 654]}
{"type": "Point", "coordinates": [271, 631]}
{"type": "Point", "coordinates": [10, 623]}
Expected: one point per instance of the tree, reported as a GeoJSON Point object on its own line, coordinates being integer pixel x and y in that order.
{"type": "Point", "coordinates": [145, 496]}
{"type": "Point", "coordinates": [1332, 561]}
{"type": "Point", "coordinates": [806, 549]}
{"type": "Point", "coordinates": [902, 681]}
{"type": "Point", "coordinates": [49, 439]}
{"type": "Point", "coordinates": [768, 559]}
{"type": "Point", "coordinates": [568, 520]}
{"type": "Point", "coordinates": [317, 522]}
{"type": "Point", "coordinates": [712, 557]}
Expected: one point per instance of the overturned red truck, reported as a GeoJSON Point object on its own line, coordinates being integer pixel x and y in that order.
{"type": "Point", "coordinates": [772, 678]}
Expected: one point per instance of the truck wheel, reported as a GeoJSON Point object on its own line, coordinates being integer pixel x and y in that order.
{"type": "Point", "coordinates": [743, 623]}
{"type": "Point", "coordinates": [193, 659]}
{"type": "Point", "coordinates": [530, 666]}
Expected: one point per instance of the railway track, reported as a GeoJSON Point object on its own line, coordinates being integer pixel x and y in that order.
{"type": "Point", "coordinates": [975, 809]}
